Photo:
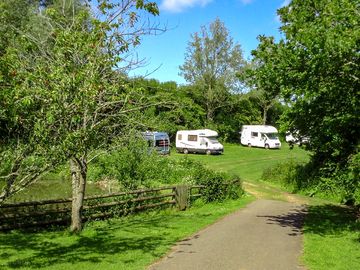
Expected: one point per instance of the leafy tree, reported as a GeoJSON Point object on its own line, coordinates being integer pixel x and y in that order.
{"type": "Point", "coordinates": [321, 82]}
{"type": "Point", "coordinates": [316, 66]}
{"type": "Point", "coordinates": [211, 62]}
{"type": "Point", "coordinates": [261, 75]}
{"type": "Point", "coordinates": [68, 98]}
{"type": "Point", "coordinates": [183, 114]}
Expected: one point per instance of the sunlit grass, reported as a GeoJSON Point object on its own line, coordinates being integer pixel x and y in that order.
{"type": "Point", "coordinates": [248, 163]}
{"type": "Point", "coordinates": [331, 238]}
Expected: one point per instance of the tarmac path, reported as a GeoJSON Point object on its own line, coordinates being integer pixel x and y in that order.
{"type": "Point", "coordinates": [266, 235]}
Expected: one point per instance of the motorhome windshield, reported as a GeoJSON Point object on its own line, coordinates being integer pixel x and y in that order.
{"type": "Point", "coordinates": [272, 136]}
{"type": "Point", "coordinates": [213, 140]}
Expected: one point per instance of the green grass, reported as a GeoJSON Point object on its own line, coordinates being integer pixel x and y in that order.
{"type": "Point", "coordinates": [128, 243]}
{"type": "Point", "coordinates": [331, 238]}
{"type": "Point", "coordinates": [248, 163]}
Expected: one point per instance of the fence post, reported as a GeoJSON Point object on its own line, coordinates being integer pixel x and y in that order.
{"type": "Point", "coordinates": [182, 196]}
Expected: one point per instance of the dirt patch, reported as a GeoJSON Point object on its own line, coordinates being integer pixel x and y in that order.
{"type": "Point", "coordinates": [262, 191]}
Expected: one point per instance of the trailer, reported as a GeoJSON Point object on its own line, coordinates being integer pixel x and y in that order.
{"type": "Point", "coordinates": [260, 136]}
{"type": "Point", "coordinates": [198, 141]}
{"type": "Point", "coordinates": [158, 140]}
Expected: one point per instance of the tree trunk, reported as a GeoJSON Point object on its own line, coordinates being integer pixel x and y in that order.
{"type": "Point", "coordinates": [78, 169]}
{"type": "Point", "coordinates": [264, 115]}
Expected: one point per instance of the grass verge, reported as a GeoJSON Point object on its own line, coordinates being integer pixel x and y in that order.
{"type": "Point", "coordinates": [128, 243]}
{"type": "Point", "coordinates": [331, 238]}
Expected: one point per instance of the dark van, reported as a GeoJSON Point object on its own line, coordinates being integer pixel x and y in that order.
{"type": "Point", "coordinates": [158, 140]}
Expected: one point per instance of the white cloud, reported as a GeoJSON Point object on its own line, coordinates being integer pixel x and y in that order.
{"type": "Point", "coordinates": [180, 5]}
{"type": "Point", "coordinates": [246, 2]}
{"type": "Point", "coordinates": [285, 3]}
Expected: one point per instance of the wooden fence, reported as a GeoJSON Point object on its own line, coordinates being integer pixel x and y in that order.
{"type": "Point", "coordinates": [58, 212]}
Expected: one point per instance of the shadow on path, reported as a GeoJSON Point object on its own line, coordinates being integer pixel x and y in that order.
{"type": "Point", "coordinates": [293, 220]}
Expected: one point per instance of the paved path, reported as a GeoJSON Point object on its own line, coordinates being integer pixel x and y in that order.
{"type": "Point", "coordinates": [263, 236]}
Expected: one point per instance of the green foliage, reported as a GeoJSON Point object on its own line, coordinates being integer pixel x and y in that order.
{"type": "Point", "coordinates": [176, 109]}
{"type": "Point", "coordinates": [135, 166]}
{"type": "Point", "coordinates": [341, 185]}
{"type": "Point", "coordinates": [316, 68]}
{"type": "Point", "coordinates": [62, 93]}
{"type": "Point", "coordinates": [219, 186]}
{"type": "Point", "coordinates": [211, 62]}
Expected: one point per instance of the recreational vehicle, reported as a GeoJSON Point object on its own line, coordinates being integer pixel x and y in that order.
{"type": "Point", "coordinates": [294, 138]}
{"type": "Point", "coordinates": [260, 136]}
{"type": "Point", "coordinates": [159, 141]}
{"type": "Point", "coordinates": [198, 141]}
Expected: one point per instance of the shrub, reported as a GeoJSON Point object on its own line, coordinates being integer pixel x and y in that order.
{"type": "Point", "coordinates": [330, 181]}
{"type": "Point", "coordinates": [133, 167]}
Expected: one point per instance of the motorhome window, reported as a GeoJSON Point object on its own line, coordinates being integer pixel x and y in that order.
{"type": "Point", "coordinates": [254, 134]}
{"type": "Point", "coordinates": [192, 138]}
{"type": "Point", "coordinates": [272, 136]}
{"type": "Point", "coordinates": [179, 137]}
{"type": "Point", "coordinates": [213, 140]}
{"type": "Point", "coordinates": [161, 143]}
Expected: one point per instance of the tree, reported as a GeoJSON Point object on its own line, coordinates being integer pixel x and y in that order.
{"type": "Point", "coordinates": [211, 62]}
{"type": "Point", "coordinates": [261, 75]}
{"type": "Point", "coordinates": [183, 114]}
{"type": "Point", "coordinates": [69, 97]}
{"type": "Point", "coordinates": [320, 60]}
{"type": "Point", "coordinates": [317, 67]}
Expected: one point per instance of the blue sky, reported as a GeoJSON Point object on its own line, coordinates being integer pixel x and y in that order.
{"type": "Point", "coordinates": [245, 20]}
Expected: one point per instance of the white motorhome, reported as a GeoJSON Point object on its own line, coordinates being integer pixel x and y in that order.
{"type": "Point", "coordinates": [295, 138]}
{"type": "Point", "coordinates": [260, 136]}
{"type": "Point", "coordinates": [198, 141]}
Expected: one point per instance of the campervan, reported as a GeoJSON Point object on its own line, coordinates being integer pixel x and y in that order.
{"type": "Point", "coordinates": [158, 140]}
{"type": "Point", "coordinates": [294, 138]}
{"type": "Point", "coordinates": [198, 141]}
{"type": "Point", "coordinates": [260, 136]}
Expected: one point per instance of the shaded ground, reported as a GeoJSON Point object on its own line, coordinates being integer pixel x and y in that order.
{"type": "Point", "coordinates": [264, 235]}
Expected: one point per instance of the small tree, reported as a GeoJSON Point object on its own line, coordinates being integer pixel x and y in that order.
{"type": "Point", "coordinates": [211, 62]}
{"type": "Point", "coordinates": [70, 97]}
{"type": "Point", "coordinates": [261, 75]}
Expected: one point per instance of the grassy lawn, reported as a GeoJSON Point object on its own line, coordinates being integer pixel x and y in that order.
{"type": "Point", "coordinates": [248, 163]}
{"type": "Point", "coordinates": [332, 238]}
{"type": "Point", "coordinates": [127, 243]}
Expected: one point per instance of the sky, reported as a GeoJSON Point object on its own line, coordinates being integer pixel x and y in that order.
{"type": "Point", "coordinates": [245, 20]}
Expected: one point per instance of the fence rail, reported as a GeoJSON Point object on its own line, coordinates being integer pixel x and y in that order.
{"type": "Point", "coordinates": [54, 212]}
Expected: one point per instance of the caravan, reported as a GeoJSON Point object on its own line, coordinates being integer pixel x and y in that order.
{"type": "Point", "coordinates": [198, 141]}
{"type": "Point", "coordinates": [260, 136]}
{"type": "Point", "coordinates": [158, 140]}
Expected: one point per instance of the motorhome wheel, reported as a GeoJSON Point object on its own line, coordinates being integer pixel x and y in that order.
{"type": "Point", "coordinates": [267, 146]}
{"type": "Point", "coordinates": [186, 151]}
{"type": "Point", "coordinates": [249, 144]}
{"type": "Point", "coordinates": [208, 152]}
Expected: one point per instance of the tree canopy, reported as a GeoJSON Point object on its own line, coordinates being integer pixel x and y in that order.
{"type": "Point", "coordinates": [211, 62]}
{"type": "Point", "coordinates": [316, 69]}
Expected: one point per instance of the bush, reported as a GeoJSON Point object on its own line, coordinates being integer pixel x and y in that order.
{"type": "Point", "coordinates": [133, 167]}
{"type": "Point", "coordinates": [331, 182]}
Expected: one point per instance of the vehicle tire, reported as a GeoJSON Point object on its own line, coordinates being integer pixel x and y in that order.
{"type": "Point", "coordinates": [208, 152]}
{"type": "Point", "coordinates": [185, 151]}
{"type": "Point", "coordinates": [267, 146]}
{"type": "Point", "coordinates": [249, 144]}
